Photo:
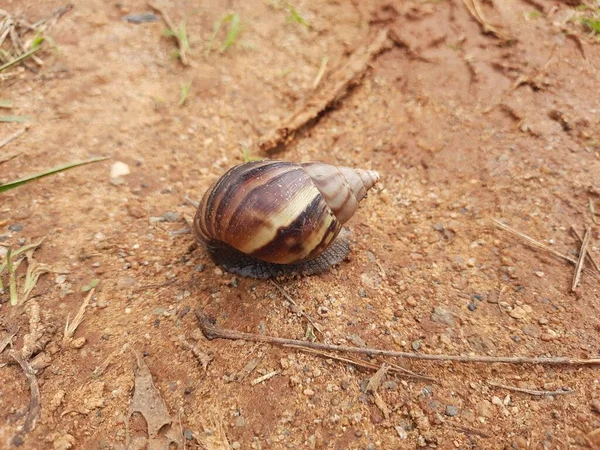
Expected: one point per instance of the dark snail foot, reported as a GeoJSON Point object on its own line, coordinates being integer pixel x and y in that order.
{"type": "Point", "coordinates": [238, 263]}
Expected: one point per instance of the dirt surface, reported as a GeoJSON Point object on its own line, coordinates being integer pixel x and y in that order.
{"type": "Point", "coordinates": [463, 126]}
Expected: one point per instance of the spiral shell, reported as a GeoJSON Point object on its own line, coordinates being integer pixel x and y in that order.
{"type": "Point", "coordinates": [280, 212]}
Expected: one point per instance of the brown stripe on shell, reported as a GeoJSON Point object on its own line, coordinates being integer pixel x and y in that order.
{"type": "Point", "coordinates": [247, 186]}
{"type": "Point", "coordinates": [226, 184]}
{"type": "Point", "coordinates": [275, 204]}
{"type": "Point", "coordinates": [212, 197]}
{"type": "Point", "coordinates": [303, 238]}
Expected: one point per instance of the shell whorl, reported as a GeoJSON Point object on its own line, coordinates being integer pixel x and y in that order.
{"type": "Point", "coordinates": [342, 188]}
{"type": "Point", "coordinates": [280, 212]}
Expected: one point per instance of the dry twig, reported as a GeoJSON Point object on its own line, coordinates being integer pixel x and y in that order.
{"type": "Point", "coordinates": [532, 391]}
{"type": "Point", "coordinates": [180, 43]}
{"type": "Point", "coordinates": [212, 331]}
{"type": "Point", "coordinates": [340, 82]}
{"type": "Point", "coordinates": [368, 365]}
{"type": "Point", "coordinates": [588, 254]}
{"type": "Point", "coordinates": [33, 411]}
{"type": "Point", "coordinates": [582, 252]}
{"type": "Point", "coordinates": [203, 358]}
{"type": "Point", "coordinates": [264, 378]}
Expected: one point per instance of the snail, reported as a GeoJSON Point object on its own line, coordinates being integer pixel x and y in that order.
{"type": "Point", "coordinates": [267, 218]}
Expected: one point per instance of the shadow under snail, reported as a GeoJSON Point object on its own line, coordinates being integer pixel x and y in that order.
{"type": "Point", "coordinates": [267, 218]}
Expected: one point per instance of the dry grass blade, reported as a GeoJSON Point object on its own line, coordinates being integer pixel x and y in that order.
{"type": "Point", "coordinates": [582, 252]}
{"type": "Point", "coordinates": [533, 242]}
{"type": "Point", "coordinates": [532, 391]}
{"type": "Point", "coordinates": [212, 331]}
{"type": "Point", "coordinates": [8, 140]}
{"type": "Point", "coordinates": [321, 72]}
{"type": "Point", "coordinates": [70, 328]}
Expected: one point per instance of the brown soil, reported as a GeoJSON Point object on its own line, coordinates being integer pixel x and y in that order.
{"type": "Point", "coordinates": [462, 126]}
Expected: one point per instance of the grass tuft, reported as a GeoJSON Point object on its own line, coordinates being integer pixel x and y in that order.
{"type": "Point", "coordinates": [233, 19]}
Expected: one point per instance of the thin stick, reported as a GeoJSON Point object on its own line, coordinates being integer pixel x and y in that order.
{"type": "Point", "coordinates": [264, 378]}
{"type": "Point", "coordinates": [34, 400]}
{"type": "Point", "coordinates": [11, 138]}
{"type": "Point", "coordinates": [212, 331]}
{"type": "Point", "coordinates": [582, 253]}
{"type": "Point", "coordinates": [321, 72]}
{"type": "Point", "coordinates": [298, 308]}
{"type": "Point", "coordinates": [367, 365]}
{"type": "Point", "coordinates": [532, 391]}
{"type": "Point", "coordinates": [534, 243]}
{"type": "Point", "coordinates": [588, 254]}
{"type": "Point", "coordinates": [180, 43]}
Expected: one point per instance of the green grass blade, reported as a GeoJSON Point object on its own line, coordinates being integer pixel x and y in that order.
{"type": "Point", "coordinates": [20, 251]}
{"type": "Point", "coordinates": [20, 58]}
{"type": "Point", "coordinates": [234, 31]}
{"type": "Point", "coordinates": [6, 103]}
{"type": "Point", "coordinates": [14, 184]}
{"type": "Point", "coordinates": [295, 16]}
{"type": "Point", "coordinates": [185, 90]}
{"type": "Point", "coordinates": [15, 119]}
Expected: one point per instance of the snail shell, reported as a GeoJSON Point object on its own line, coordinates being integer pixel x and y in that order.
{"type": "Point", "coordinates": [266, 218]}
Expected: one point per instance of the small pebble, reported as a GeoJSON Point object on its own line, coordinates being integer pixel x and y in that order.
{"type": "Point", "coordinates": [199, 268]}
{"type": "Point", "coordinates": [188, 434]}
{"type": "Point", "coordinates": [125, 282]}
{"type": "Point", "coordinates": [119, 169]}
{"type": "Point", "coordinates": [218, 271]}
{"type": "Point", "coordinates": [539, 273]}
{"type": "Point", "coordinates": [596, 405]}
{"type": "Point", "coordinates": [171, 216]}
{"type": "Point", "coordinates": [451, 410]}
{"type": "Point", "coordinates": [308, 392]}
{"type": "Point", "coordinates": [15, 227]}
{"type": "Point", "coordinates": [518, 313]}
{"type": "Point", "coordinates": [472, 306]}
{"type": "Point", "coordinates": [411, 301]}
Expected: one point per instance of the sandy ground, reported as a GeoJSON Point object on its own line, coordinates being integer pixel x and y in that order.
{"type": "Point", "coordinates": [463, 126]}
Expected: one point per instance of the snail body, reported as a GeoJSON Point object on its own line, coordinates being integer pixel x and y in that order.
{"type": "Point", "coordinates": [267, 218]}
